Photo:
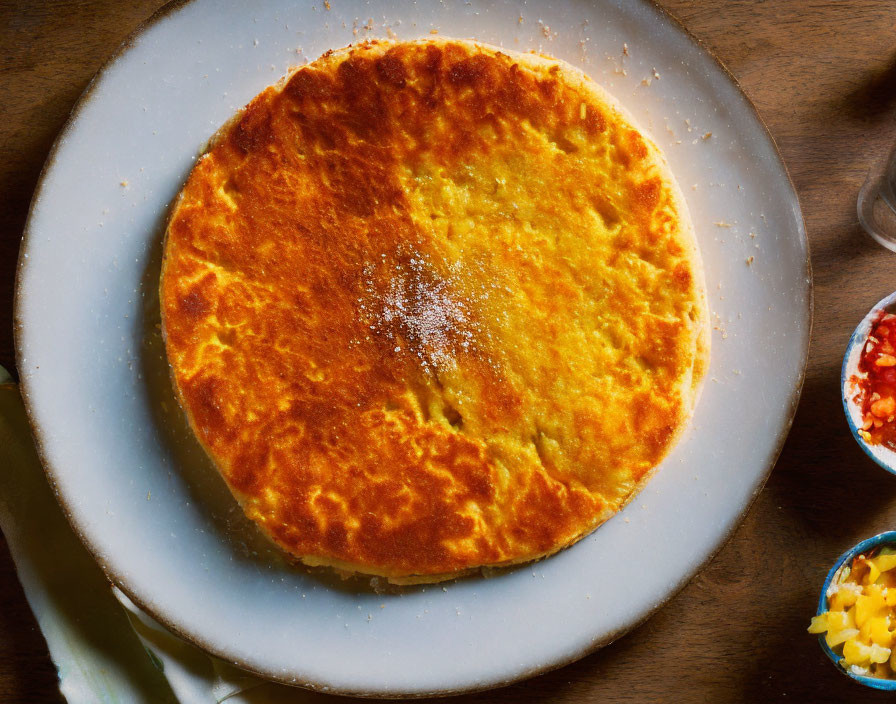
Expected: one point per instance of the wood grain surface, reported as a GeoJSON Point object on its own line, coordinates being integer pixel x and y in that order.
{"type": "Point", "coordinates": [823, 76]}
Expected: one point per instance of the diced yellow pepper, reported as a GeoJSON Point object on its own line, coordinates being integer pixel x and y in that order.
{"type": "Point", "coordinates": [890, 598]}
{"type": "Point", "coordinates": [837, 637]}
{"type": "Point", "coordinates": [879, 631]}
{"type": "Point", "coordinates": [835, 603]}
{"type": "Point", "coordinates": [856, 653]}
{"type": "Point", "coordinates": [863, 609]}
{"type": "Point", "coordinates": [843, 598]}
{"type": "Point", "coordinates": [873, 573]}
{"type": "Point", "coordinates": [851, 618]}
{"type": "Point", "coordinates": [819, 624]}
{"type": "Point", "coordinates": [865, 632]}
{"type": "Point", "coordinates": [879, 653]}
{"type": "Point", "coordinates": [838, 620]}
{"type": "Point", "coordinates": [885, 563]}
{"type": "Point", "coordinates": [893, 659]}
{"type": "Point", "coordinates": [869, 604]}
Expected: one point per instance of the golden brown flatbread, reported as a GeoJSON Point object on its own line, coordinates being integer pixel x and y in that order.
{"type": "Point", "coordinates": [431, 306]}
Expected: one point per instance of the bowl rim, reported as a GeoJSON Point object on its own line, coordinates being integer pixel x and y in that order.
{"type": "Point", "coordinates": [885, 538]}
{"type": "Point", "coordinates": [859, 335]}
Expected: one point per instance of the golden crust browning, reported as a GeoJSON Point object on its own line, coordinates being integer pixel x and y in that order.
{"type": "Point", "coordinates": [431, 306]}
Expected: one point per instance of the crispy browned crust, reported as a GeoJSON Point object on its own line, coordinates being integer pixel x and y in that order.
{"type": "Point", "coordinates": [431, 306]}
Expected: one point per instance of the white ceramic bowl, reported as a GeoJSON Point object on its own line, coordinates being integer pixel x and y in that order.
{"type": "Point", "coordinates": [881, 454]}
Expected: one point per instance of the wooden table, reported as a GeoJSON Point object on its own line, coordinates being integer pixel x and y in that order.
{"type": "Point", "coordinates": [823, 75]}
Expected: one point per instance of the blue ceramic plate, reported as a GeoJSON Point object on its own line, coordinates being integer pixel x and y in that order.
{"type": "Point", "coordinates": [888, 538]}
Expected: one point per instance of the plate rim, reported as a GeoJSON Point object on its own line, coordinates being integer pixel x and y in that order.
{"type": "Point", "coordinates": [119, 581]}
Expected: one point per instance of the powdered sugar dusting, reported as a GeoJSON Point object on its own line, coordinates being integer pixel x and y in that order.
{"type": "Point", "coordinates": [422, 312]}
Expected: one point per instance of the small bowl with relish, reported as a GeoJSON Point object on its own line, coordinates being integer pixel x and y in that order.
{"type": "Point", "coordinates": [868, 383]}
{"type": "Point", "coordinates": [856, 616]}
